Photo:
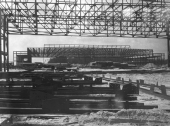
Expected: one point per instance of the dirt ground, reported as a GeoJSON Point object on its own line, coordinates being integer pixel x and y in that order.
{"type": "Point", "coordinates": [153, 100]}
{"type": "Point", "coordinates": [130, 117]}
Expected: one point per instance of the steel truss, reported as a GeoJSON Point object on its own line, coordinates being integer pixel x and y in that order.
{"type": "Point", "coordinates": [4, 48]}
{"type": "Point", "coordinates": [98, 18]}
{"type": "Point", "coordinates": [17, 55]}
{"type": "Point", "coordinates": [131, 18]}
{"type": "Point", "coordinates": [88, 53]}
{"type": "Point", "coordinates": [87, 50]}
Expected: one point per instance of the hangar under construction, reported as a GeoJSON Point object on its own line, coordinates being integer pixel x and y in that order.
{"type": "Point", "coordinates": [83, 54]}
{"type": "Point", "coordinates": [95, 18]}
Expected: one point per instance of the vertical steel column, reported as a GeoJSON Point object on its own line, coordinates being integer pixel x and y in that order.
{"type": "Point", "coordinates": [80, 18]}
{"type": "Point", "coordinates": [168, 43]}
{"type": "Point", "coordinates": [36, 18]}
{"type": "Point", "coordinates": [29, 56]}
{"type": "Point", "coordinates": [4, 40]}
{"type": "Point", "coordinates": [7, 44]}
{"type": "Point", "coordinates": [13, 58]}
{"type": "Point", "coordinates": [0, 41]}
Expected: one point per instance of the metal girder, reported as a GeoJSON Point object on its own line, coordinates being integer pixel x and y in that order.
{"type": "Point", "coordinates": [168, 46]}
{"type": "Point", "coordinates": [1, 37]}
{"type": "Point", "coordinates": [96, 18]}
{"type": "Point", "coordinates": [124, 18]}
{"type": "Point", "coordinates": [4, 48]}
{"type": "Point", "coordinates": [18, 53]}
{"type": "Point", "coordinates": [137, 52]}
{"type": "Point", "coordinates": [85, 46]}
{"type": "Point", "coordinates": [87, 50]}
{"type": "Point", "coordinates": [89, 53]}
{"type": "Point", "coordinates": [168, 42]}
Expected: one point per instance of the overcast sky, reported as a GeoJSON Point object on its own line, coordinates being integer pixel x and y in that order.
{"type": "Point", "coordinates": [21, 42]}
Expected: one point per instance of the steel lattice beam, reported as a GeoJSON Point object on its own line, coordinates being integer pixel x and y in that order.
{"type": "Point", "coordinates": [87, 50]}
{"type": "Point", "coordinates": [85, 18]}
{"type": "Point", "coordinates": [4, 48]}
{"type": "Point", "coordinates": [96, 18]}
{"type": "Point", "coordinates": [89, 53]}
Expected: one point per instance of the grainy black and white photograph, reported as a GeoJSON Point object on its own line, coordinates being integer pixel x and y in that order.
{"type": "Point", "coordinates": [84, 62]}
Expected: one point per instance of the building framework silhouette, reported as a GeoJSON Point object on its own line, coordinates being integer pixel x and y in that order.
{"type": "Point", "coordinates": [90, 18]}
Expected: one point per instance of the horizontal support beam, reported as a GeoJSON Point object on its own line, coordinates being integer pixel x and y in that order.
{"type": "Point", "coordinates": [84, 18]}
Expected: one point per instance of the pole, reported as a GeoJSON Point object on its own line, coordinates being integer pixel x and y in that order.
{"type": "Point", "coordinates": [168, 43]}
{"type": "Point", "coordinates": [0, 41]}
{"type": "Point", "coordinates": [4, 40]}
{"type": "Point", "coordinates": [7, 45]}
{"type": "Point", "coordinates": [36, 18]}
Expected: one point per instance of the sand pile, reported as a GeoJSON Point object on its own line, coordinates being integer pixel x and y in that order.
{"type": "Point", "coordinates": [102, 118]}
{"type": "Point", "coordinates": [149, 66]}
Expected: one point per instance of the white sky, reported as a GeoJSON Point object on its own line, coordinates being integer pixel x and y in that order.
{"type": "Point", "coordinates": [21, 42]}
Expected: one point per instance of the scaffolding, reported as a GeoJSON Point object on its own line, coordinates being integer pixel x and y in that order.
{"type": "Point", "coordinates": [95, 18]}
{"type": "Point", "coordinates": [84, 54]}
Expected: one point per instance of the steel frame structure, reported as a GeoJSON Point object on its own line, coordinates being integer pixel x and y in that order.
{"type": "Point", "coordinates": [86, 50]}
{"type": "Point", "coordinates": [95, 18]}
{"type": "Point", "coordinates": [4, 41]}
{"type": "Point", "coordinates": [156, 58]}
{"type": "Point", "coordinates": [16, 54]}
{"type": "Point", "coordinates": [89, 53]}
